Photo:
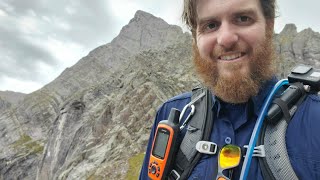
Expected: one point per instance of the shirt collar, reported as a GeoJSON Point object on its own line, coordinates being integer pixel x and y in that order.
{"type": "Point", "coordinates": [253, 106]}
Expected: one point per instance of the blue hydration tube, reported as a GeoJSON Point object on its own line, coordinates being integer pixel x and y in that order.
{"type": "Point", "coordinates": [254, 136]}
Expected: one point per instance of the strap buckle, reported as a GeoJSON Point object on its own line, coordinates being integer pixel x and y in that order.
{"type": "Point", "coordinates": [174, 174]}
{"type": "Point", "coordinates": [206, 147]}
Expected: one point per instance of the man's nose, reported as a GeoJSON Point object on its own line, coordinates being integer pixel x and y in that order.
{"type": "Point", "coordinates": [227, 36]}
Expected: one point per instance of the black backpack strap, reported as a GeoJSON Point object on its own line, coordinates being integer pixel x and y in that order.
{"type": "Point", "coordinates": [199, 128]}
{"type": "Point", "coordinates": [284, 108]}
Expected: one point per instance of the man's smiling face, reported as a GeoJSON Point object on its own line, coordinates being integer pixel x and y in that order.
{"type": "Point", "coordinates": [233, 47]}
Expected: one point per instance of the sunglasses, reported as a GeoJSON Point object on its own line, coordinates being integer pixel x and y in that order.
{"type": "Point", "coordinates": [229, 157]}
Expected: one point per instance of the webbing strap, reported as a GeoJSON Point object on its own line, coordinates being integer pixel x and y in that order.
{"type": "Point", "coordinates": [284, 108]}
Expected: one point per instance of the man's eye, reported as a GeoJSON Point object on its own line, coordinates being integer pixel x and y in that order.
{"type": "Point", "coordinates": [243, 19]}
{"type": "Point", "coordinates": [211, 26]}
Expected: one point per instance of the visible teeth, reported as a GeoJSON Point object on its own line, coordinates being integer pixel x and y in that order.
{"type": "Point", "coordinates": [231, 57]}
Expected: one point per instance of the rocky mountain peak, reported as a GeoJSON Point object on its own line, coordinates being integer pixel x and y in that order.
{"type": "Point", "coordinates": [143, 17]}
{"type": "Point", "coordinates": [289, 29]}
{"type": "Point", "coordinates": [146, 31]}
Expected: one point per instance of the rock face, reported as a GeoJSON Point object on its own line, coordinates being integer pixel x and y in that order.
{"type": "Point", "coordinates": [12, 97]}
{"type": "Point", "coordinates": [4, 105]}
{"type": "Point", "coordinates": [90, 121]}
{"type": "Point", "coordinates": [9, 98]}
{"type": "Point", "coordinates": [294, 48]}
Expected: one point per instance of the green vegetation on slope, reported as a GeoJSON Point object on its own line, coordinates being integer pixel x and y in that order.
{"type": "Point", "coordinates": [135, 164]}
{"type": "Point", "coordinates": [25, 141]}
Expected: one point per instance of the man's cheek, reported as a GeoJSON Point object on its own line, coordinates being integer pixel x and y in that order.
{"type": "Point", "coordinates": [205, 53]}
{"type": "Point", "coordinates": [203, 48]}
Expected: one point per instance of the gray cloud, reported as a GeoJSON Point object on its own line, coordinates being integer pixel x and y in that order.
{"type": "Point", "coordinates": [20, 56]}
{"type": "Point", "coordinates": [88, 21]}
{"type": "Point", "coordinates": [27, 25]}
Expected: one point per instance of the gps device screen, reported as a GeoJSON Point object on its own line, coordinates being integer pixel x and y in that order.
{"type": "Point", "coordinates": [161, 143]}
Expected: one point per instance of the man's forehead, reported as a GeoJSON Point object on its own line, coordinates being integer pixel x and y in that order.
{"type": "Point", "coordinates": [215, 7]}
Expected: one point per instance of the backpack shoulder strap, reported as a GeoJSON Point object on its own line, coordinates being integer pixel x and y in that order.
{"type": "Point", "coordinates": [276, 165]}
{"type": "Point", "coordinates": [199, 128]}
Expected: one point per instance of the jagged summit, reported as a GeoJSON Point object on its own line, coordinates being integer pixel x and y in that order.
{"type": "Point", "coordinates": [142, 16]}
{"type": "Point", "coordinates": [146, 31]}
{"type": "Point", "coordinates": [289, 29]}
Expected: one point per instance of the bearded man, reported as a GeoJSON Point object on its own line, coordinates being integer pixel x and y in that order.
{"type": "Point", "coordinates": [233, 55]}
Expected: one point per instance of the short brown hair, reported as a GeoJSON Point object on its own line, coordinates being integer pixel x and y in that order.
{"type": "Point", "coordinates": [189, 14]}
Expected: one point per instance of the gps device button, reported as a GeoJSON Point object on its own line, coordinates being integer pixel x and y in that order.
{"type": "Point", "coordinates": [153, 169]}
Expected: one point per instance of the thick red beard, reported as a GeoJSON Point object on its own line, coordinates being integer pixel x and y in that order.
{"type": "Point", "coordinates": [239, 87]}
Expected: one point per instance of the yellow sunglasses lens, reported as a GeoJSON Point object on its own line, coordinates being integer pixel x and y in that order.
{"type": "Point", "coordinates": [229, 156]}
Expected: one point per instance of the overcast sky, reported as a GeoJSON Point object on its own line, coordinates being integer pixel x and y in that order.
{"type": "Point", "coordinates": [40, 38]}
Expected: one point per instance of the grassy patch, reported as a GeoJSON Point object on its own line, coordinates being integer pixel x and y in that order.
{"type": "Point", "coordinates": [35, 147]}
{"type": "Point", "coordinates": [26, 142]}
{"type": "Point", "coordinates": [94, 177]}
{"type": "Point", "coordinates": [135, 164]}
{"type": "Point", "coordinates": [23, 139]}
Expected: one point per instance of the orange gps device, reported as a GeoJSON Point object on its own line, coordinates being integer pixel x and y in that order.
{"type": "Point", "coordinates": [164, 146]}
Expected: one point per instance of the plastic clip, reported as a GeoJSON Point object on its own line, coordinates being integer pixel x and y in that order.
{"type": "Point", "coordinates": [174, 174]}
{"type": "Point", "coordinates": [258, 151]}
{"type": "Point", "coordinates": [206, 147]}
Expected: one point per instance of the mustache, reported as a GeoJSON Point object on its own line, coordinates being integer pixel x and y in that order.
{"type": "Point", "coordinates": [220, 50]}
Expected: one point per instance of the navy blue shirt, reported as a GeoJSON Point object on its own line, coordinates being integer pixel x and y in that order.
{"type": "Point", "coordinates": [234, 123]}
